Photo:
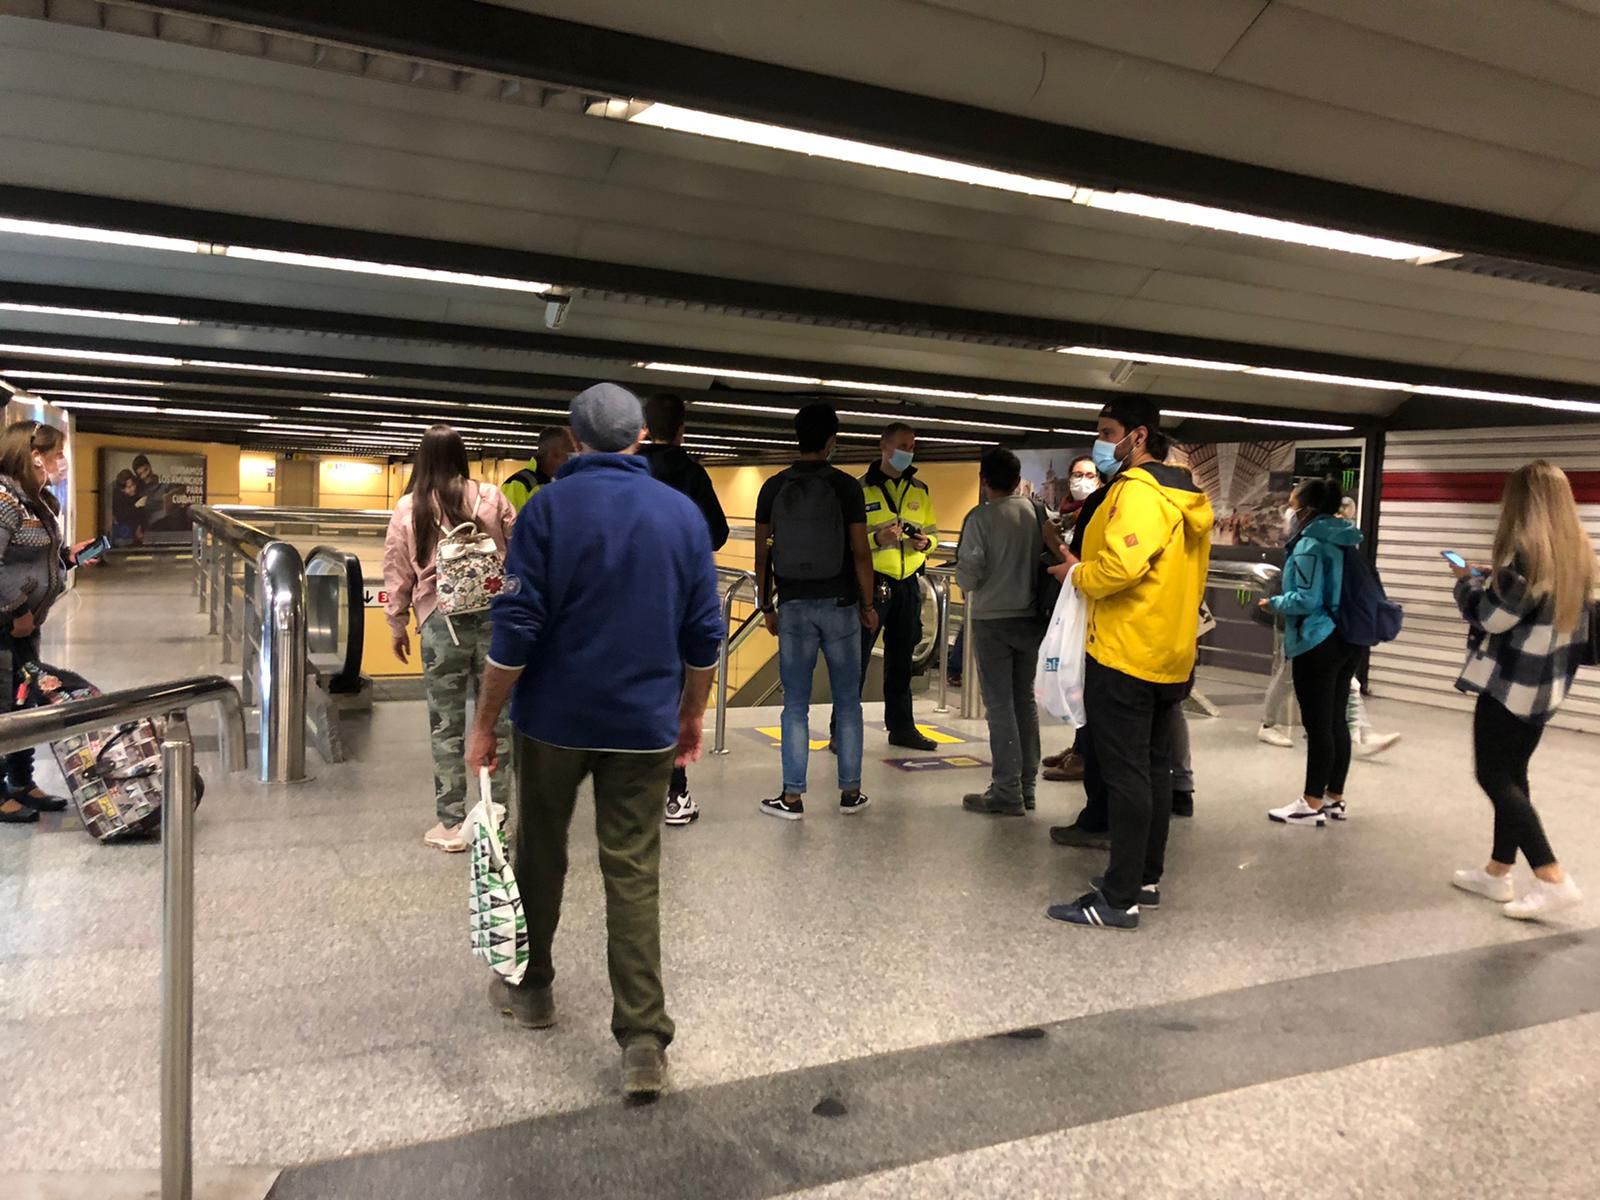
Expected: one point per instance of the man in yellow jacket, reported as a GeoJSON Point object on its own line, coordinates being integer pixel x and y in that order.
{"type": "Point", "coordinates": [1143, 574]}
{"type": "Point", "coordinates": [556, 446]}
{"type": "Point", "coordinates": [902, 530]}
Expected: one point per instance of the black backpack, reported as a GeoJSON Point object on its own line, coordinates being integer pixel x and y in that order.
{"type": "Point", "coordinates": [808, 538]}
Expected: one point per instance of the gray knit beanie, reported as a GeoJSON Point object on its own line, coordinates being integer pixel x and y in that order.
{"type": "Point", "coordinates": [607, 417]}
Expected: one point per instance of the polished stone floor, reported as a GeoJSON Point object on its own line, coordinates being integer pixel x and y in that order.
{"type": "Point", "coordinates": [1311, 1013]}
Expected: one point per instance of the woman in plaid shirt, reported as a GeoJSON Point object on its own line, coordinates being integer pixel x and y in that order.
{"type": "Point", "coordinates": [1529, 614]}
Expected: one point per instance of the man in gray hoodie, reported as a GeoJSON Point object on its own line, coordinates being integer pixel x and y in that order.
{"type": "Point", "coordinates": [998, 569]}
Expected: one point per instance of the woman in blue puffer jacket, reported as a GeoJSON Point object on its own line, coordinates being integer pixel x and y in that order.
{"type": "Point", "coordinates": [1322, 662]}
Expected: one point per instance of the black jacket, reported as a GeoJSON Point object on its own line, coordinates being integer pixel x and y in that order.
{"type": "Point", "coordinates": [673, 466]}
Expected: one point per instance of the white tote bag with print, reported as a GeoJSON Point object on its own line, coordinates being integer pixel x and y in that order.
{"type": "Point", "coordinates": [499, 929]}
{"type": "Point", "coordinates": [1058, 681]}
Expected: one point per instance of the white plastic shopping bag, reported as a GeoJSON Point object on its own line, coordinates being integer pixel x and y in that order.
{"type": "Point", "coordinates": [499, 927]}
{"type": "Point", "coordinates": [1058, 681]}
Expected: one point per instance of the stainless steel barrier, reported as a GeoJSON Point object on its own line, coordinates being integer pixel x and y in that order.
{"type": "Point", "coordinates": [32, 727]}
{"type": "Point", "coordinates": [737, 581]}
{"type": "Point", "coordinates": [281, 683]}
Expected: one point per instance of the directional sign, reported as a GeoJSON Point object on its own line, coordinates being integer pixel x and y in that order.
{"type": "Point", "coordinates": [950, 762]}
{"type": "Point", "coordinates": [374, 597]}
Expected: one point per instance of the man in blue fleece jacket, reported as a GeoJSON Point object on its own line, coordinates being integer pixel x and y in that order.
{"type": "Point", "coordinates": [605, 638]}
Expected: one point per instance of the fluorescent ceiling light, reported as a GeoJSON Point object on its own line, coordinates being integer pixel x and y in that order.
{"type": "Point", "coordinates": [922, 419]}
{"type": "Point", "coordinates": [311, 428]}
{"type": "Point", "coordinates": [49, 310]}
{"type": "Point", "coordinates": [234, 366]}
{"type": "Point", "coordinates": [1510, 398]}
{"type": "Point", "coordinates": [1136, 204]}
{"type": "Point", "coordinates": [216, 412]}
{"type": "Point", "coordinates": [125, 408]}
{"type": "Point", "coordinates": [1388, 385]}
{"type": "Point", "coordinates": [1204, 216]}
{"type": "Point", "coordinates": [820, 145]}
{"type": "Point", "coordinates": [93, 395]}
{"type": "Point", "coordinates": [847, 385]}
{"type": "Point", "coordinates": [108, 237]}
{"type": "Point", "coordinates": [1201, 416]}
{"type": "Point", "coordinates": [749, 408]}
{"type": "Point", "coordinates": [361, 266]}
{"type": "Point", "coordinates": [147, 360]}
{"type": "Point", "coordinates": [1165, 360]}
{"type": "Point", "coordinates": [437, 403]}
{"type": "Point", "coordinates": [63, 377]}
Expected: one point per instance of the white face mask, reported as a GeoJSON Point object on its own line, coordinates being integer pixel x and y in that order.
{"type": "Point", "coordinates": [1289, 515]}
{"type": "Point", "coordinates": [1082, 487]}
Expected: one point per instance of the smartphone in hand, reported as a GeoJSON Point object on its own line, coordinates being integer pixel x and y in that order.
{"type": "Point", "coordinates": [1454, 559]}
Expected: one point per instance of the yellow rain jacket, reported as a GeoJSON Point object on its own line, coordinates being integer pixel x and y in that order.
{"type": "Point", "coordinates": [1145, 557]}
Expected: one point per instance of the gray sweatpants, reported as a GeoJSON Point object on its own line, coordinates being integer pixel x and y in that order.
{"type": "Point", "coordinates": [1007, 653]}
{"type": "Point", "coordinates": [1182, 766]}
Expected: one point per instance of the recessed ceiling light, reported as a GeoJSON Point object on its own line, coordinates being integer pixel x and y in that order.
{"type": "Point", "coordinates": [65, 377]}
{"type": "Point", "coordinates": [95, 404]}
{"type": "Point", "coordinates": [1165, 360]}
{"type": "Point", "coordinates": [1384, 385]}
{"type": "Point", "coordinates": [237, 366]}
{"type": "Point", "coordinates": [437, 403]}
{"type": "Point", "coordinates": [1203, 416]}
{"type": "Point", "coordinates": [50, 310]}
{"type": "Point", "coordinates": [1509, 398]}
{"type": "Point", "coordinates": [216, 412]}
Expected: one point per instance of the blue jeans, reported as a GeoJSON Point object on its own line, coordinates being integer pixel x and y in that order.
{"type": "Point", "coordinates": [804, 628]}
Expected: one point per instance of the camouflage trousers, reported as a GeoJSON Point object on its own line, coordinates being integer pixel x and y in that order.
{"type": "Point", "coordinates": [451, 670]}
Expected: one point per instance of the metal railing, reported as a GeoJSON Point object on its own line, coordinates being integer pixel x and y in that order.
{"type": "Point", "coordinates": [260, 595]}
{"type": "Point", "coordinates": [735, 581]}
{"type": "Point", "coordinates": [33, 727]}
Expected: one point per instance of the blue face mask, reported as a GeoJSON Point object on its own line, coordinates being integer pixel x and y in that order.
{"type": "Point", "coordinates": [901, 459]}
{"type": "Point", "coordinates": [1105, 457]}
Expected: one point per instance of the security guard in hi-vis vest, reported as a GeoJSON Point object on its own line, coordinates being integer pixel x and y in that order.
{"type": "Point", "coordinates": [901, 530]}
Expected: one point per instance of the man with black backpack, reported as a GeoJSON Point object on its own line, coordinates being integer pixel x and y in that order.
{"type": "Point", "coordinates": [811, 541]}
{"type": "Point", "coordinates": [556, 445]}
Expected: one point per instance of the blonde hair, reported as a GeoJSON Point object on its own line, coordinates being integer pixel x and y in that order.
{"type": "Point", "coordinates": [1541, 535]}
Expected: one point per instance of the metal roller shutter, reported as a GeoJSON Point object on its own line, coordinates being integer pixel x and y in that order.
{"type": "Point", "coordinates": [1441, 491]}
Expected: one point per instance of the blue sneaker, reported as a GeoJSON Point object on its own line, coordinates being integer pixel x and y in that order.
{"type": "Point", "coordinates": [1092, 910]}
{"type": "Point", "coordinates": [1149, 896]}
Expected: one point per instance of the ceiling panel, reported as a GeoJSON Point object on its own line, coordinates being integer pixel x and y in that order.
{"type": "Point", "coordinates": [1300, 53]}
{"type": "Point", "coordinates": [1536, 39]}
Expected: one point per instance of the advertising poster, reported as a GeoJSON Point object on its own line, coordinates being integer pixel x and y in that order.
{"type": "Point", "coordinates": [145, 495]}
{"type": "Point", "coordinates": [1248, 484]}
{"type": "Point", "coordinates": [1045, 472]}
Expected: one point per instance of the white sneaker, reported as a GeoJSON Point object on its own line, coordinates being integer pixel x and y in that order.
{"type": "Point", "coordinates": [1480, 883]}
{"type": "Point", "coordinates": [1374, 744]}
{"type": "Point", "coordinates": [681, 810]}
{"type": "Point", "coordinates": [1273, 736]}
{"type": "Point", "coordinates": [1544, 899]}
{"type": "Point", "coordinates": [444, 837]}
{"type": "Point", "coordinates": [1298, 813]}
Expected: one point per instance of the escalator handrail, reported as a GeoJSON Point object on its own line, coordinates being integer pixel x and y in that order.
{"type": "Point", "coordinates": [348, 680]}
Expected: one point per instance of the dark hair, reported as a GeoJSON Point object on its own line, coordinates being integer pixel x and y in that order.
{"type": "Point", "coordinates": [1319, 496]}
{"type": "Point", "coordinates": [124, 476]}
{"type": "Point", "coordinates": [140, 460]}
{"type": "Point", "coordinates": [18, 444]}
{"type": "Point", "coordinates": [1088, 458]}
{"type": "Point", "coordinates": [1135, 412]}
{"type": "Point", "coordinates": [1000, 469]}
{"type": "Point", "coordinates": [895, 429]}
{"type": "Point", "coordinates": [814, 425]}
{"type": "Point", "coordinates": [437, 487]}
{"type": "Point", "coordinates": [664, 414]}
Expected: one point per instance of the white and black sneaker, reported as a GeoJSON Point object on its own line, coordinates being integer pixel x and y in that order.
{"type": "Point", "coordinates": [1149, 894]}
{"type": "Point", "coordinates": [853, 802]}
{"type": "Point", "coordinates": [1335, 810]}
{"type": "Point", "coordinates": [682, 810]}
{"type": "Point", "coordinates": [779, 806]}
{"type": "Point", "coordinates": [1298, 813]}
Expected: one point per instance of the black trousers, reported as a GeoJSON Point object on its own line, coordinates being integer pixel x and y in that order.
{"type": "Point", "coordinates": [900, 620]}
{"type": "Point", "coordinates": [1502, 744]}
{"type": "Point", "coordinates": [16, 768]}
{"type": "Point", "coordinates": [1322, 678]}
{"type": "Point", "coordinates": [1130, 723]}
{"type": "Point", "coordinates": [1095, 816]}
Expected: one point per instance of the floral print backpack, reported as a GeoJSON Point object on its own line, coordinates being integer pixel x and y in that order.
{"type": "Point", "coordinates": [470, 569]}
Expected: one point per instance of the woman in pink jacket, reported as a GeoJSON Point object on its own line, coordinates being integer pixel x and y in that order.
{"type": "Point", "coordinates": [439, 497]}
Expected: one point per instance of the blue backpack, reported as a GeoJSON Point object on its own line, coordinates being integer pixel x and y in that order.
{"type": "Point", "coordinates": [1366, 616]}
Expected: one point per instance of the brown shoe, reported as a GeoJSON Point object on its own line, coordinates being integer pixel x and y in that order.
{"type": "Point", "coordinates": [1068, 770]}
{"type": "Point", "coordinates": [1055, 760]}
